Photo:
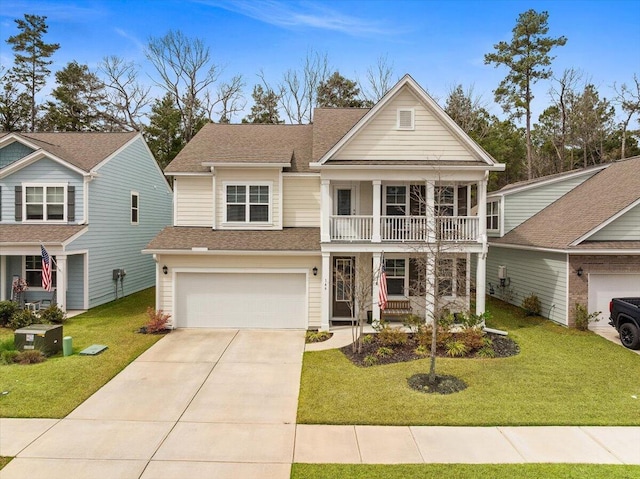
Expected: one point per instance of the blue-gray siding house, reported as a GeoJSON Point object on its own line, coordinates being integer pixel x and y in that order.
{"type": "Point", "coordinates": [93, 200]}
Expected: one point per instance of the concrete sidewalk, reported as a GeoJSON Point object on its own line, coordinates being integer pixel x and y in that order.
{"type": "Point", "coordinates": [223, 403]}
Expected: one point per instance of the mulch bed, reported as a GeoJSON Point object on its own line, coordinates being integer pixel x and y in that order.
{"type": "Point", "coordinates": [502, 345]}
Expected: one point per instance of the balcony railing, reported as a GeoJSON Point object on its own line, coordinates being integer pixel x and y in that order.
{"type": "Point", "coordinates": [406, 228]}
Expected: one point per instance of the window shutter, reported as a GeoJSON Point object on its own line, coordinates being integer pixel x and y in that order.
{"type": "Point", "coordinates": [18, 203]}
{"type": "Point", "coordinates": [71, 203]}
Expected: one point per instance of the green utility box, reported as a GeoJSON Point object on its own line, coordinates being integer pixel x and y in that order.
{"type": "Point", "coordinates": [43, 337]}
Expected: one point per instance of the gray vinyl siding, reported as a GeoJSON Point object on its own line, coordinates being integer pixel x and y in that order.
{"type": "Point", "coordinates": [75, 281]}
{"type": "Point", "coordinates": [624, 228]}
{"type": "Point", "coordinates": [43, 171]}
{"type": "Point", "coordinates": [520, 206]}
{"type": "Point", "coordinates": [541, 273]}
{"type": "Point", "coordinates": [112, 241]}
{"type": "Point", "coordinates": [13, 152]}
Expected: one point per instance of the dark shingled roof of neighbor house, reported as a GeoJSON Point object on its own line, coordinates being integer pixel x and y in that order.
{"type": "Point", "coordinates": [84, 150]}
{"type": "Point", "coordinates": [581, 210]}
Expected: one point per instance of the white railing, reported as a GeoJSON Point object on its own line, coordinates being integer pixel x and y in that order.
{"type": "Point", "coordinates": [351, 228]}
{"type": "Point", "coordinates": [458, 228]}
{"type": "Point", "coordinates": [405, 228]}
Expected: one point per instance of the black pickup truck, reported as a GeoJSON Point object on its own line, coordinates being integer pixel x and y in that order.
{"type": "Point", "coordinates": [625, 317]}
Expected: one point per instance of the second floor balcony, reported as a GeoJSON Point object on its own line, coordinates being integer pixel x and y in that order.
{"type": "Point", "coordinates": [360, 228]}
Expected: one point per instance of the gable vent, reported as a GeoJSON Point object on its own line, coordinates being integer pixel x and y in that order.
{"type": "Point", "coordinates": [405, 120]}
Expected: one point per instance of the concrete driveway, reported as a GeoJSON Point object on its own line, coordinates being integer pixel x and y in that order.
{"type": "Point", "coordinates": [199, 403]}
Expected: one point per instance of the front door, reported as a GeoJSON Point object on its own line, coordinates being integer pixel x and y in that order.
{"type": "Point", "coordinates": [343, 282]}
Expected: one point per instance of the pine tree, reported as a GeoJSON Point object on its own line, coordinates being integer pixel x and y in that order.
{"type": "Point", "coordinates": [340, 92]}
{"type": "Point", "coordinates": [31, 63]}
{"type": "Point", "coordinates": [265, 107]}
{"type": "Point", "coordinates": [164, 133]}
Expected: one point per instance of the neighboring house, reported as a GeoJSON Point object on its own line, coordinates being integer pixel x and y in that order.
{"type": "Point", "coordinates": [270, 221]}
{"type": "Point", "coordinates": [567, 238]}
{"type": "Point", "coordinates": [93, 200]}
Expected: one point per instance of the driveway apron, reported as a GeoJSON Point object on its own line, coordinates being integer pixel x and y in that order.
{"type": "Point", "coordinates": [199, 403]}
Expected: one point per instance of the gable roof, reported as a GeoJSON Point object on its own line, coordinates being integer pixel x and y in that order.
{"type": "Point", "coordinates": [582, 210]}
{"type": "Point", "coordinates": [407, 82]}
{"type": "Point", "coordinates": [37, 233]}
{"type": "Point", "coordinates": [84, 150]}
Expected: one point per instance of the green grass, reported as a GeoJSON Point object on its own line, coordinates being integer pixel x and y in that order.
{"type": "Point", "coordinates": [463, 471]}
{"type": "Point", "coordinates": [561, 377]}
{"type": "Point", "coordinates": [54, 388]}
{"type": "Point", "coordinates": [4, 461]}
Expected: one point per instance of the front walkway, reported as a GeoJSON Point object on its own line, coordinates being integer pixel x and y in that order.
{"type": "Point", "coordinates": [222, 403]}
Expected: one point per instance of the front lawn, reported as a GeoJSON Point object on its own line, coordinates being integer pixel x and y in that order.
{"type": "Point", "coordinates": [463, 471]}
{"type": "Point", "coordinates": [54, 388]}
{"type": "Point", "coordinates": [561, 377]}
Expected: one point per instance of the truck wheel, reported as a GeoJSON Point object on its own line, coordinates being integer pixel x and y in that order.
{"type": "Point", "coordinates": [629, 336]}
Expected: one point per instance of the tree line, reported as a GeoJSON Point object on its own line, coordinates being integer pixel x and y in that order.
{"type": "Point", "coordinates": [578, 127]}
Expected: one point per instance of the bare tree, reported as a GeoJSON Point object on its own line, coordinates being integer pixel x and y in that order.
{"type": "Point", "coordinates": [227, 101]}
{"type": "Point", "coordinates": [380, 78]}
{"type": "Point", "coordinates": [469, 111]}
{"type": "Point", "coordinates": [628, 97]}
{"type": "Point", "coordinates": [298, 88]}
{"type": "Point", "coordinates": [186, 73]}
{"type": "Point", "coordinates": [127, 98]}
{"type": "Point", "coordinates": [563, 95]}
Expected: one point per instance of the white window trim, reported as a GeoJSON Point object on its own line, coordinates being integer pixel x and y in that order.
{"type": "Point", "coordinates": [407, 195]}
{"type": "Point", "coordinates": [137, 208]}
{"type": "Point", "coordinates": [494, 214]}
{"type": "Point", "coordinates": [54, 268]}
{"type": "Point", "coordinates": [413, 119]}
{"type": "Point", "coordinates": [405, 288]}
{"type": "Point", "coordinates": [248, 224]}
{"type": "Point", "coordinates": [44, 186]}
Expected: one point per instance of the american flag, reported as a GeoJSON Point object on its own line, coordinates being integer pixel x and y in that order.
{"type": "Point", "coordinates": [46, 269]}
{"type": "Point", "coordinates": [382, 287]}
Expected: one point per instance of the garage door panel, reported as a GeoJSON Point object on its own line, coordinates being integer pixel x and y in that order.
{"type": "Point", "coordinates": [241, 300]}
{"type": "Point", "coordinates": [603, 287]}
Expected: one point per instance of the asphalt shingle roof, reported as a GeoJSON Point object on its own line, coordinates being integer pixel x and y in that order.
{"type": "Point", "coordinates": [41, 233]}
{"type": "Point", "coordinates": [82, 149]}
{"type": "Point", "coordinates": [581, 210]}
{"type": "Point", "coordinates": [187, 237]}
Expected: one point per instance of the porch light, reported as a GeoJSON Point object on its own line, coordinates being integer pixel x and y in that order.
{"type": "Point", "coordinates": [165, 270]}
{"type": "Point", "coordinates": [315, 271]}
{"type": "Point", "coordinates": [580, 271]}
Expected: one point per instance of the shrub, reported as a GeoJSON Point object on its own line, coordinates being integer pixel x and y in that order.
{"type": "Point", "coordinates": [583, 318]}
{"type": "Point", "coordinates": [472, 338]}
{"type": "Point", "coordinates": [388, 336]}
{"type": "Point", "coordinates": [486, 352]}
{"type": "Point", "coordinates": [413, 323]}
{"type": "Point", "coordinates": [384, 352]}
{"type": "Point", "coordinates": [317, 336]}
{"type": "Point", "coordinates": [7, 309]}
{"type": "Point", "coordinates": [8, 357]}
{"type": "Point", "coordinates": [531, 305]}
{"type": "Point", "coordinates": [158, 320]}
{"type": "Point", "coordinates": [456, 348]}
{"type": "Point", "coordinates": [22, 318]}
{"type": "Point", "coordinates": [370, 360]}
{"type": "Point", "coordinates": [422, 351]}
{"type": "Point", "coordinates": [424, 336]}
{"type": "Point", "coordinates": [53, 315]}
{"type": "Point", "coordinates": [30, 357]}
{"type": "Point", "coordinates": [367, 339]}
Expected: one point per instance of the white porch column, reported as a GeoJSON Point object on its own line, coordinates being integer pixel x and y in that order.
{"type": "Point", "coordinates": [430, 288]}
{"type": "Point", "coordinates": [325, 289]}
{"type": "Point", "coordinates": [61, 281]}
{"type": "Point", "coordinates": [430, 209]}
{"type": "Point", "coordinates": [377, 192]}
{"type": "Point", "coordinates": [326, 208]}
{"type": "Point", "coordinates": [3, 278]}
{"type": "Point", "coordinates": [375, 307]}
{"type": "Point", "coordinates": [481, 267]}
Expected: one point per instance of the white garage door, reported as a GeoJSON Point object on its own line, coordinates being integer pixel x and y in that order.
{"type": "Point", "coordinates": [603, 287]}
{"type": "Point", "coordinates": [241, 300]}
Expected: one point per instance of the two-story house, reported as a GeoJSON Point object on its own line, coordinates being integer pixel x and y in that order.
{"type": "Point", "coordinates": [93, 201]}
{"type": "Point", "coordinates": [571, 238]}
{"type": "Point", "coordinates": [272, 222]}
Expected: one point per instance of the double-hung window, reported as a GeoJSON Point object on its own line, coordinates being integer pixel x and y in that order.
{"type": "Point", "coordinates": [44, 203]}
{"type": "Point", "coordinates": [135, 208]}
{"type": "Point", "coordinates": [444, 200]}
{"type": "Point", "coordinates": [396, 200]}
{"type": "Point", "coordinates": [493, 216]}
{"type": "Point", "coordinates": [33, 271]}
{"type": "Point", "coordinates": [247, 203]}
{"type": "Point", "coordinates": [395, 271]}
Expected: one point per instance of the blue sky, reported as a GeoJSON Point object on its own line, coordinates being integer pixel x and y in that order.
{"type": "Point", "coordinates": [440, 43]}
